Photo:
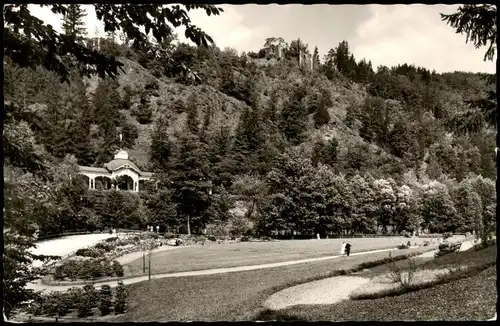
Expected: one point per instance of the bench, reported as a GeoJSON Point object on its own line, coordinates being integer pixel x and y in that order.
{"type": "Point", "coordinates": [446, 248]}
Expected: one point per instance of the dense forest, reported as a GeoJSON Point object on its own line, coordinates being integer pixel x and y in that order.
{"type": "Point", "coordinates": [256, 145]}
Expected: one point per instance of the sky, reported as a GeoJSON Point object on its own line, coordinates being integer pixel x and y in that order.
{"type": "Point", "coordinates": [385, 34]}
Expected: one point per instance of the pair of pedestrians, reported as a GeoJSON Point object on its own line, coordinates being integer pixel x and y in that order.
{"type": "Point", "coordinates": [345, 249]}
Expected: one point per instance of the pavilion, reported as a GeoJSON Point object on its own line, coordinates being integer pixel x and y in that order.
{"type": "Point", "coordinates": [120, 174]}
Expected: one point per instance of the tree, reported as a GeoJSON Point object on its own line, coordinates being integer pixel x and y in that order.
{"type": "Point", "coordinates": [344, 60]}
{"type": "Point", "coordinates": [293, 121]}
{"type": "Point", "coordinates": [28, 200]}
{"type": "Point", "coordinates": [437, 208]}
{"type": "Point", "coordinates": [296, 47]}
{"type": "Point", "coordinates": [478, 22]}
{"type": "Point", "coordinates": [291, 203]}
{"type": "Point", "coordinates": [385, 194]}
{"type": "Point", "coordinates": [469, 208]}
{"type": "Point", "coordinates": [30, 43]}
{"type": "Point", "coordinates": [322, 117]}
{"type": "Point", "coordinates": [161, 149]}
{"type": "Point", "coordinates": [191, 181]}
{"type": "Point", "coordinates": [73, 24]}
{"type": "Point", "coordinates": [192, 121]}
{"type": "Point", "coordinates": [365, 205]}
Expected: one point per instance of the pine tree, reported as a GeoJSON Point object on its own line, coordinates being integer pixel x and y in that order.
{"type": "Point", "coordinates": [191, 181]}
{"type": "Point", "coordinates": [73, 24]}
{"type": "Point", "coordinates": [322, 117]}
{"type": "Point", "coordinates": [161, 149]}
{"type": "Point", "coordinates": [192, 115]}
{"type": "Point", "coordinates": [293, 120]}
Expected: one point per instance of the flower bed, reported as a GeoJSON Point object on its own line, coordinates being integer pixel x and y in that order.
{"type": "Point", "coordinates": [83, 302]}
{"type": "Point", "coordinates": [92, 268]}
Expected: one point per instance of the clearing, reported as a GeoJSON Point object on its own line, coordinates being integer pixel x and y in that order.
{"type": "Point", "coordinates": [255, 253]}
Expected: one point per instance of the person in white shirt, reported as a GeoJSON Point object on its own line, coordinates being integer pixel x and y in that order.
{"type": "Point", "coordinates": [342, 249]}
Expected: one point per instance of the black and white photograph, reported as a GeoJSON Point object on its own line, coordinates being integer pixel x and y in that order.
{"type": "Point", "coordinates": [176, 162]}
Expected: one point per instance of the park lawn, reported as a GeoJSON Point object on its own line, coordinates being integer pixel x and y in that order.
{"type": "Point", "coordinates": [236, 296]}
{"type": "Point", "coordinates": [254, 253]}
{"type": "Point", "coordinates": [472, 298]}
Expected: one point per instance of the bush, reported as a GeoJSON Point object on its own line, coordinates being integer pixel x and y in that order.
{"type": "Point", "coordinates": [117, 269]}
{"type": "Point", "coordinates": [84, 305]}
{"type": "Point", "coordinates": [121, 298]}
{"type": "Point", "coordinates": [211, 238]}
{"type": "Point", "coordinates": [49, 304]}
{"type": "Point", "coordinates": [64, 305]}
{"type": "Point", "coordinates": [107, 268]}
{"type": "Point", "coordinates": [447, 235]}
{"type": "Point", "coordinates": [105, 297]}
{"type": "Point", "coordinates": [111, 239]}
{"type": "Point", "coordinates": [104, 246]}
{"type": "Point", "coordinates": [245, 239]}
{"type": "Point", "coordinates": [88, 253]}
{"type": "Point", "coordinates": [75, 294]}
{"type": "Point", "coordinates": [91, 291]}
{"type": "Point", "coordinates": [400, 276]}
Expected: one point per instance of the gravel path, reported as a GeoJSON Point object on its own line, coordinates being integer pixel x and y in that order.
{"type": "Point", "coordinates": [66, 245]}
{"type": "Point", "coordinates": [327, 291]}
{"type": "Point", "coordinates": [38, 286]}
{"type": "Point", "coordinates": [330, 290]}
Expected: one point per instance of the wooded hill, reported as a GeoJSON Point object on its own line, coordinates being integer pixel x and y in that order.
{"type": "Point", "coordinates": [339, 148]}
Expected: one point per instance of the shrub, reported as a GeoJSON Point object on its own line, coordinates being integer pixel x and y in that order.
{"type": "Point", "coordinates": [90, 289]}
{"type": "Point", "coordinates": [211, 238]}
{"type": "Point", "coordinates": [58, 273]}
{"type": "Point", "coordinates": [447, 235]}
{"type": "Point", "coordinates": [245, 239]}
{"type": "Point", "coordinates": [49, 304]}
{"type": "Point", "coordinates": [117, 269]}
{"type": "Point", "coordinates": [105, 297]}
{"type": "Point", "coordinates": [84, 305]}
{"type": "Point", "coordinates": [399, 275]}
{"type": "Point", "coordinates": [110, 239]}
{"type": "Point", "coordinates": [75, 294]}
{"type": "Point", "coordinates": [64, 304]}
{"type": "Point", "coordinates": [104, 246]}
{"type": "Point", "coordinates": [88, 253]}
{"type": "Point", "coordinates": [108, 269]}
{"type": "Point", "coordinates": [121, 298]}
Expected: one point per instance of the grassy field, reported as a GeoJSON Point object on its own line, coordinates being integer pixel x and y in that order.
{"type": "Point", "coordinates": [253, 253]}
{"type": "Point", "coordinates": [226, 297]}
{"type": "Point", "coordinates": [472, 298]}
{"type": "Point", "coordinates": [468, 299]}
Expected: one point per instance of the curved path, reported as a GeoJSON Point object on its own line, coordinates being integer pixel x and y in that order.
{"type": "Point", "coordinates": [38, 286]}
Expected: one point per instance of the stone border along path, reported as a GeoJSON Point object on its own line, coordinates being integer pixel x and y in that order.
{"type": "Point", "coordinates": [38, 286]}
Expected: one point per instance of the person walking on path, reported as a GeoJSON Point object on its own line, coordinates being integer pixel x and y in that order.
{"type": "Point", "coordinates": [342, 248]}
{"type": "Point", "coordinates": [347, 249]}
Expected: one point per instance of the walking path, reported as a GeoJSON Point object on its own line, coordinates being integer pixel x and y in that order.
{"type": "Point", "coordinates": [66, 245]}
{"type": "Point", "coordinates": [326, 291]}
{"type": "Point", "coordinates": [330, 290]}
{"type": "Point", "coordinates": [38, 286]}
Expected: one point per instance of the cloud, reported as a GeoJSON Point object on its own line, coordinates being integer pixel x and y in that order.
{"type": "Point", "coordinates": [415, 34]}
{"type": "Point", "coordinates": [385, 34]}
{"type": "Point", "coordinates": [228, 30]}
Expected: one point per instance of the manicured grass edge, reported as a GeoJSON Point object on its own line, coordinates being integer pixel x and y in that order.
{"type": "Point", "coordinates": [272, 315]}
{"type": "Point", "coordinates": [443, 279]}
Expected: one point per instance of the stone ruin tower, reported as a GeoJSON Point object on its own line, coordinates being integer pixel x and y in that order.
{"type": "Point", "coordinates": [305, 60]}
